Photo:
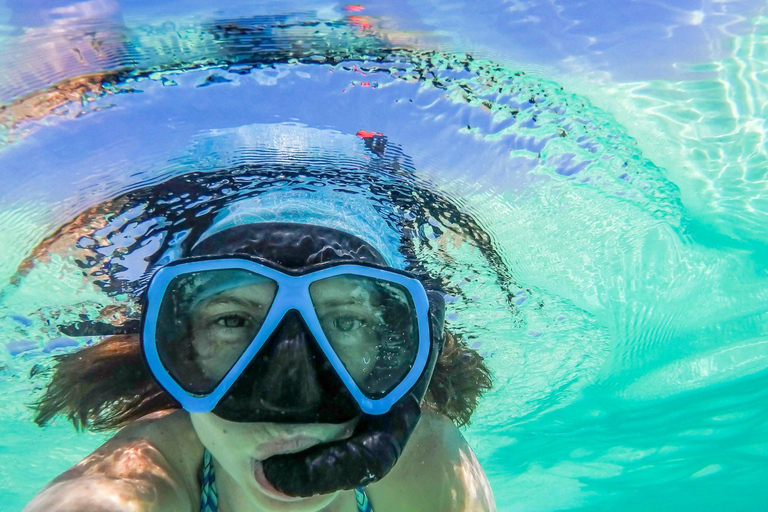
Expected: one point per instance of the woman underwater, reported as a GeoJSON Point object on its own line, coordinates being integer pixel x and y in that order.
{"type": "Point", "coordinates": [280, 367]}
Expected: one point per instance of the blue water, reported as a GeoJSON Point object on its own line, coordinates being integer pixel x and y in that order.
{"type": "Point", "coordinates": [589, 177]}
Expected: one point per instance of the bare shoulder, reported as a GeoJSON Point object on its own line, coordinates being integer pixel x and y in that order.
{"type": "Point", "coordinates": [437, 471]}
{"type": "Point", "coordinates": [149, 465]}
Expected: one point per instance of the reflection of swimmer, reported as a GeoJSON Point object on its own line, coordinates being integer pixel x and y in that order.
{"type": "Point", "coordinates": [313, 375]}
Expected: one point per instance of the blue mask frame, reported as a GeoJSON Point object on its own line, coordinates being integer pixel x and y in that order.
{"type": "Point", "coordinates": [292, 293]}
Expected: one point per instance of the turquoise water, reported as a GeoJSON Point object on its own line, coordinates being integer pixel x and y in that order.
{"type": "Point", "coordinates": [593, 194]}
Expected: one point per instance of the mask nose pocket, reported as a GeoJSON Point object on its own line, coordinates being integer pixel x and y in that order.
{"type": "Point", "coordinates": [289, 379]}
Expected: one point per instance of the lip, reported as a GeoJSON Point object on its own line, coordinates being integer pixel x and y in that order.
{"type": "Point", "coordinates": [285, 446]}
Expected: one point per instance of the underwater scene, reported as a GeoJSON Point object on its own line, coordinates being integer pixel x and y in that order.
{"type": "Point", "coordinates": [588, 179]}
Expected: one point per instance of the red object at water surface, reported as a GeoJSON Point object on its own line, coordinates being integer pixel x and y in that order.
{"type": "Point", "coordinates": [360, 21]}
{"type": "Point", "coordinates": [363, 134]}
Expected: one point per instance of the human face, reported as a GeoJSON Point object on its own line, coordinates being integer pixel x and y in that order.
{"type": "Point", "coordinates": [239, 449]}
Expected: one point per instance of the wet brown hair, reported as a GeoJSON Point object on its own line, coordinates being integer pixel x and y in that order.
{"type": "Point", "coordinates": [106, 386]}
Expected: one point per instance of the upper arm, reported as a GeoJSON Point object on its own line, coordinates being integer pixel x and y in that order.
{"type": "Point", "coordinates": [126, 474]}
{"type": "Point", "coordinates": [437, 471]}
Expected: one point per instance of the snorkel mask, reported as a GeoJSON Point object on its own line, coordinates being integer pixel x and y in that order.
{"type": "Point", "coordinates": [296, 323]}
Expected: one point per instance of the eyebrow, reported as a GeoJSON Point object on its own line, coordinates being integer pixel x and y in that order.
{"type": "Point", "coordinates": [340, 302]}
{"type": "Point", "coordinates": [229, 299]}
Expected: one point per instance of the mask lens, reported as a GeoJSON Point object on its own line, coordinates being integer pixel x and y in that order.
{"type": "Point", "coordinates": [371, 325]}
{"type": "Point", "coordinates": [207, 320]}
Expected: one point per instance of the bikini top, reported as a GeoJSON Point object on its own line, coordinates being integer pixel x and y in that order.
{"type": "Point", "coordinates": [209, 498]}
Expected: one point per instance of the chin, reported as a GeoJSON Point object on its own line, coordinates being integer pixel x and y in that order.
{"type": "Point", "coordinates": [263, 494]}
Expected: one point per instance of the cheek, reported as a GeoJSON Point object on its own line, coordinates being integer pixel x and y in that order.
{"type": "Point", "coordinates": [215, 359]}
{"type": "Point", "coordinates": [360, 360]}
{"type": "Point", "coordinates": [210, 434]}
{"type": "Point", "coordinates": [225, 443]}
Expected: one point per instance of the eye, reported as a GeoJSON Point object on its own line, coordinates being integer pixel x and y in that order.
{"type": "Point", "coordinates": [347, 323]}
{"type": "Point", "coordinates": [231, 321]}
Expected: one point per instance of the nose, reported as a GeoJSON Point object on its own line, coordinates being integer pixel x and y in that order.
{"type": "Point", "coordinates": [289, 380]}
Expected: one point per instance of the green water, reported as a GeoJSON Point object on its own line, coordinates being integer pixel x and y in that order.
{"type": "Point", "coordinates": [608, 240]}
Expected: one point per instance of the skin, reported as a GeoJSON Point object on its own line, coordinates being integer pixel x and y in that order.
{"type": "Point", "coordinates": [153, 465]}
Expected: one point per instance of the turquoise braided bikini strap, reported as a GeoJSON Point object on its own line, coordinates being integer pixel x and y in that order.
{"type": "Point", "coordinates": [363, 503]}
{"type": "Point", "coordinates": [209, 496]}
